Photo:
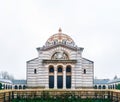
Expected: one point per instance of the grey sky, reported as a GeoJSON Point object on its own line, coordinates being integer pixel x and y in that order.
{"type": "Point", "coordinates": [27, 24]}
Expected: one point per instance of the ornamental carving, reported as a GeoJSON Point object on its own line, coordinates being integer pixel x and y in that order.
{"type": "Point", "coordinates": [60, 56]}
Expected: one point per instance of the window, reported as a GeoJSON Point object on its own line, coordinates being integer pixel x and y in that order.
{"type": "Point", "coordinates": [59, 81]}
{"type": "Point", "coordinates": [68, 81]}
{"type": "Point", "coordinates": [64, 42]}
{"type": "Point", "coordinates": [84, 71]}
{"type": "Point", "coordinates": [99, 86]}
{"type": "Point", "coordinates": [24, 86]}
{"type": "Point", "coordinates": [95, 86]}
{"type": "Point", "coordinates": [35, 71]}
{"type": "Point", "coordinates": [51, 81]}
{"type": "Point", "coordinates": [51, 69]}
{"type": "Point", "coordinates": [54, 42]}
{"type": "Point", "coordinates": [68, 69]}
{"type": "Point", "coordinates": [20, 87]}
{"type": "Point", "coordinates": [104, 87]}
{"type": "Point", "coordinates": [59, 69]}
{"type": "Point", "coordinates": [16, 87]}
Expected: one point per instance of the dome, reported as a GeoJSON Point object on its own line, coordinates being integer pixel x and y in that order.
{"type": "Point", "coordinates": [60, 38]}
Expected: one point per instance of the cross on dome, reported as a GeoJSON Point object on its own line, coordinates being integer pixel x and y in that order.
{"type": "Point", "coordinates": [60, 30]}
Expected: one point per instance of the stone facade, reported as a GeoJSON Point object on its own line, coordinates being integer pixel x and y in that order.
{"type": "Point", "coordinates": [60, 65]}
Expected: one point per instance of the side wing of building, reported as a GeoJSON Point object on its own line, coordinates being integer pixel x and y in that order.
{"type": "Point", "coordinates": [32, 67]}
{"type": "Point", "coordinates": [87, 73]}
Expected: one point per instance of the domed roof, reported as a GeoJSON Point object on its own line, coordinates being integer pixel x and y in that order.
{"type": "Point", "coordinates": [60, 38]}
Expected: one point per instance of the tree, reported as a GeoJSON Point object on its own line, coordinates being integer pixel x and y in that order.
{"type": "Point", "coordinates": [118, 87]}
{"type": "Point", "coordinates": [5, 75]}
{"type": "Point", "coordinates": [115, 77]}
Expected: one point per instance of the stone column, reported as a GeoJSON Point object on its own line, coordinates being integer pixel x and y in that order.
{"type": "Point", "coordinates": [64, 78]}
{"type": "Point", "coordinates": [55, 78]}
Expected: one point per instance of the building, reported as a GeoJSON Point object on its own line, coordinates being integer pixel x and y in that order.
{"type": "Point", "coordinates": [98, 84]}
{"type": "Point", "coordinates": [60, 65]}
{"type": "Point", "coordinates": [106, 83]}
{"type": "Point", "coordinates": [6, 84]}
{"type": "Point", "coordinates": [15, 84]}
{"type": "Point", "coordinates": [101, 83]}
{"type": "Point", "coordinates": [19, 84]}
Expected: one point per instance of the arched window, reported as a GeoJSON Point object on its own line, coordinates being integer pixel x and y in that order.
{"type": "Point", "coordinates": [68, 76]}
{"type": "Point", "coordinates": [64, 42]}
{"type": "Point", "coordinates": [24, 86]}
{"type": "Point", "coordinates": [54, 42]}
{"type": "Point", "coordinates": [99, 87]}
{"type": "Point", "coordinates": [35, 71]}
{"type": "Point", "coordinates": [95, 86]}
{"type": "Point", "coordinates": [104, 87]}
{"type": "Point", "coordinates": [16, 87]}
{"type": "Point", "coordinates": [68, 69]}
{"type": "Point", "coordinates": [59, 69]}
{"type": "Point", "coordinates": [84, 71]}
{"type": "Point", "coordinates": [51, 69]}
{"type": "Point", "coordinates": [20, 87]}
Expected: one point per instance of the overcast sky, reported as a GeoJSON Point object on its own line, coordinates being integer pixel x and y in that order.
{"type": "Point", "coordinates": [27, 24]}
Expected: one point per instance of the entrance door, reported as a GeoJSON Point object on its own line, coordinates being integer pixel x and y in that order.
{"type": "Point", "coordinates": [59, 81]}
{"type": "Point", "coordinates": [68, 81]}
{"type": "Point", "coordinates": [51, 81]}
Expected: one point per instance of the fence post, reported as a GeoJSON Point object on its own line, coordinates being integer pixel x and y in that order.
{"type": "Point", "coordinates": [9, 97]}
{"type": "Point", "coordinates": [4, 97]}
{"type": "Point", "coordinates": [12, 94]}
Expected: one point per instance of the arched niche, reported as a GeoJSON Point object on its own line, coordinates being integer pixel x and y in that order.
{"type": "Point", "coordinates": [61, 55]}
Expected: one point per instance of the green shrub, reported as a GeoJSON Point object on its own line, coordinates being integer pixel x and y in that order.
{"type": "Point", "coordinates": [61, 100]}
{"type": "Point", "coordinates": [118, 87]}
